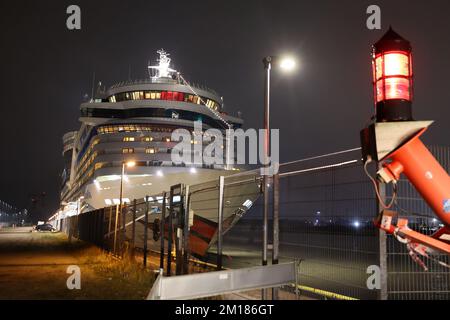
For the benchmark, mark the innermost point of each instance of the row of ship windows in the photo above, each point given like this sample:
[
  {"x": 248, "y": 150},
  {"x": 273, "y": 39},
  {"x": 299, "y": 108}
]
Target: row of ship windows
[
  {"x": 85, "y": 166},
  {"x": 145, "y": 139},
  {"x": 164, "y": 95},
  {"x": 128, "y": 128},
  {"x": 140, "y": 128},
  {"x": 88, "y": 152},
  {"x": 131, "y": 128},
  {"x": 131, "y": 150},
  {"x": 121, "y": 128},
  {"x": 127, "y": 139},
  {"x": 150, "y": 139},
  {"x": 152, "y": 149}
]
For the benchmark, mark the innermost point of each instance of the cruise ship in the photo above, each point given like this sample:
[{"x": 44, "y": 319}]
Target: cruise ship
[{"x": 134, "y": 121}]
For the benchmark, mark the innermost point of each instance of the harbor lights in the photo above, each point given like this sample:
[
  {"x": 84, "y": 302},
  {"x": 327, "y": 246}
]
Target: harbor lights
[
  {"x": 392, "y": 78},
  {"x": 286, "y": 64}
]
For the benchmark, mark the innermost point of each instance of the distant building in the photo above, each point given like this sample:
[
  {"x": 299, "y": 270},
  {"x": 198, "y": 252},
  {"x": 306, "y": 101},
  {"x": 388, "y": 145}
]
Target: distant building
[{"x": 10, "y": 215}]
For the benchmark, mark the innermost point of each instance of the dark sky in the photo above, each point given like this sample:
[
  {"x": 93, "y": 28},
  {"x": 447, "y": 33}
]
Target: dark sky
[{"x": 46, "y": 69}]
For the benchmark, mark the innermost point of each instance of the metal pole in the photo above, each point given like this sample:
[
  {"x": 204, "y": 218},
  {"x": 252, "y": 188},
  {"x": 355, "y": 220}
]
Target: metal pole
[
  {"x": 186, "y": 228},
  {"x": 267, "y": 67},
  {"x": 169, "y": 236},
  {"x": 119, "y": 209},
  {"x": 121, "y": 186},
  {"x": 163, "y": 217},
  {"x": 145, "y": 230},
  {"x": 276, "y": 226},
  {"x": 102, "y": 230},
  {"x": 220, "y": 222},
  {"x": 297, "y": 267},
  {"x": 123, "y": 233},
  {"x": 110, "y": 222},
  {"x": 133, "y": 230},
  {"x": 382, "y": 244},
  {"x": 115, "y": 228},
  {"x": 178, "y": 235}
]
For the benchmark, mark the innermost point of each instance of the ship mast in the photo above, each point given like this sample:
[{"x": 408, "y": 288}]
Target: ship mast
[{"x": 162, "y": 70}]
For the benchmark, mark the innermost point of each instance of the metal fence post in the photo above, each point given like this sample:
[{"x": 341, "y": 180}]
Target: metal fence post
[
  {"x": 382, "y": 245},
  {"x": 276, "y": 226},
  {"x": 383, "y": 266},
  {"x": 110, "y": 222},
  {"x": 178, "y": 234},
  {"x": 162, "y": 232},
  {"x": 133, "y": 231},
  {"x": 123, "y": 232},
  {"x": 145, "y": 230},
  {"x": 70, "y": 229},
  {"x": 170, "y": 236},
  {"x": 115, "y": 228},
  {"x": 297, "y": 267},
  {"x": 110, "y": 227},
  {"x": 186, "y": 228},
  {"x": 102, "y": 229},
  {"x": 265, "y": 227},
  {"x": 220, "y": 222}
]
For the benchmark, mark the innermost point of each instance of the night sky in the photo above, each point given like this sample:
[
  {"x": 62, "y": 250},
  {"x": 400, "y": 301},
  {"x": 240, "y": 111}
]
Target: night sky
[{"x": 46, "y": 70}]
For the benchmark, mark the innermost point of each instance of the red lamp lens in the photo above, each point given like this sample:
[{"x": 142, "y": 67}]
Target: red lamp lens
[
  {"x": 395, "y": 64},
  {"x": 392, "y": 76},
  {"x": 395, "y": 88}
]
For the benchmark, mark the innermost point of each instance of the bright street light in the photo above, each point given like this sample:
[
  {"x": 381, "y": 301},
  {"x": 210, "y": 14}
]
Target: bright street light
[
  {"x": 287, "y": 64},
  {"x": 131, "y": 164}
]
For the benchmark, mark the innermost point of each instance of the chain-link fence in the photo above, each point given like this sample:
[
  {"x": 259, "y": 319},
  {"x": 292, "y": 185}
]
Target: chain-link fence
[
  {"x": 407, "y": 279},
  {"x": 327, "y": 207}
]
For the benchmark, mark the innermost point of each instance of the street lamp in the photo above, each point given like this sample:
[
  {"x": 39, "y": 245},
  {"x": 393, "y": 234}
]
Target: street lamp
[
  {"x": 128, "y": 164},
  {"x": 285, "y": 64}
]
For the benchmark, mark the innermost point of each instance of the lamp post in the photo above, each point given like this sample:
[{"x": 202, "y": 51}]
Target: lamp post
[
  {"x": 129, "y": 164},
  {"x": 286, "y": 64}
]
